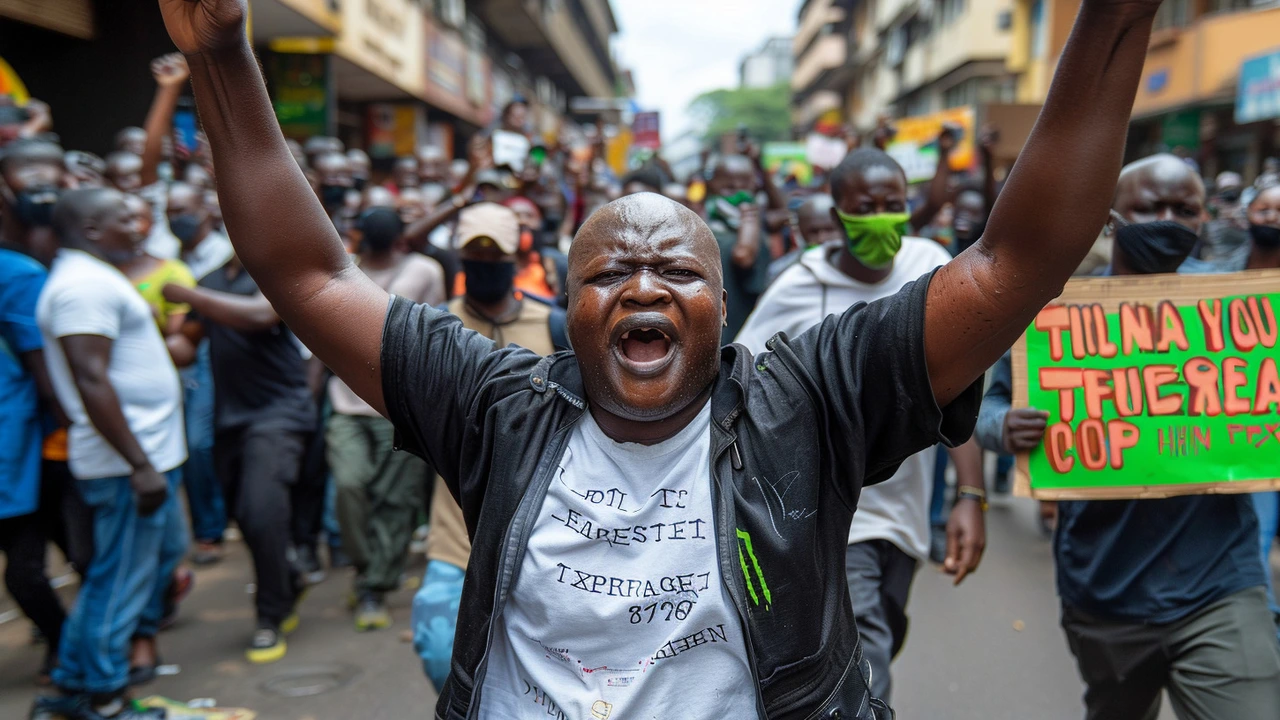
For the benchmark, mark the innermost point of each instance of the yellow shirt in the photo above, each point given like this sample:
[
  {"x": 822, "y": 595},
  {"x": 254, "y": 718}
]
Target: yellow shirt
[{"x": 151, "y": 285}]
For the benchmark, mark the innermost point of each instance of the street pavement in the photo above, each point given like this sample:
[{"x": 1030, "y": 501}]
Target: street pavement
[{"x": 990, "y": 649}]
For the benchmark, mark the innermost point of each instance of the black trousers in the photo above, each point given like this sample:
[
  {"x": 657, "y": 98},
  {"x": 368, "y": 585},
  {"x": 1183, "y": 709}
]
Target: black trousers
[
  {"x": 259, "y": 470},
  {"x": 24, "y": 542}
]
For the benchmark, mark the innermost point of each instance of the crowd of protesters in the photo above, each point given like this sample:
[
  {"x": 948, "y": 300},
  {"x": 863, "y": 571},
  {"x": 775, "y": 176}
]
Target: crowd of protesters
[{"x": 139, "y": 358}]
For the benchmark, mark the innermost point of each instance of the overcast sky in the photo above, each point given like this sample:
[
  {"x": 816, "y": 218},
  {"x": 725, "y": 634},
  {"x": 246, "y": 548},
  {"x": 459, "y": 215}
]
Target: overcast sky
[{"x": 678, "y": 49}]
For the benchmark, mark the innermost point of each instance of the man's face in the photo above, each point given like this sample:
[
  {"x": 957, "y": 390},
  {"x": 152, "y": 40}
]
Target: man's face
[
  {"x": 1162, "y": 193},
  {"x": 124, "y": 172},
  {"x": 22, "y": 174},
  {"x": 432, "y": 166},
  {"x": 732, "y": 177},
  {"x": 119, "y": 226},
  {"x": 411, "y": 205},
  {"x": 132, "y": 140},
  {"x": 516, "y": 117},
  {"x": 1265, "y": 209},
  {"x": 817, "y": 228},
  {"x": 970, "y": 214},
  {"x": 334, "y": 169},
  {"x": 406, "y": 172},
  {"x": 875, "y": 190},
  {"x": 646, "y": 305},
  {"x": 186, "y": 201},
  {"x": 527, "y": 215}
]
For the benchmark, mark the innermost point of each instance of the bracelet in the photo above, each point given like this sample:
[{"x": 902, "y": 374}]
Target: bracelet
[{"x": 973, "y": 493}]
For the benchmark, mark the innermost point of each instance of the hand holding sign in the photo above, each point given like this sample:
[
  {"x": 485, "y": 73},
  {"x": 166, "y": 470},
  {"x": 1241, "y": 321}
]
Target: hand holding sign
[{"x": 1024, "y": 429}]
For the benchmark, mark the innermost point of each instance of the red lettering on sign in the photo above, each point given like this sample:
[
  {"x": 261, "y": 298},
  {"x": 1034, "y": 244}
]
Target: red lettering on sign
[
  {"x": 1268, "y": 388},
  {"x": 1211, "y": 318},
  {"x": 1065, "y": 381},
  {"x": 1097, "y": 387},
  {"x": 1172, "y": 331},
  {"x": 1243, "y": 332},
  {"x": 1092, "y": 444},
  {"x": 1106, "y": 348},
  {"x": 1264, "y": 319},
  {"x": 1202, "y": 381},
  {"x": 1057, "y": 441},
  {"x": 1232, "y": 380},
  {"x": 1153, "y": 378},
  {"x": 1053, "y": 319},
  {"x": 1121, "y": 435}
]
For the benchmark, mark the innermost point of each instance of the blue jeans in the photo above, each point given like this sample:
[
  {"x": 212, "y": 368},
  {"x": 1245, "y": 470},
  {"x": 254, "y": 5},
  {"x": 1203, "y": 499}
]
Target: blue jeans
[
  {"x": 1267, "y": 505},
  {"x": 93, "y": 656},
  {"x": 204, "y": 493},
  {"x": 173, "y": 546},
  {"x": 938, "y": 503},
  {"x": 435, "y": 619}
]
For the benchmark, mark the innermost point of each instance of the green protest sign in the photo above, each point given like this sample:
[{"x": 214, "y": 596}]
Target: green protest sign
[{"x": 1155, "y": 386}]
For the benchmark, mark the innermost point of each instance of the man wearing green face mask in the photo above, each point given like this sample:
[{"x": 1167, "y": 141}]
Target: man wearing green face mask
[
  {"x": 734, "y": 219},
  {"x": 872, "y": 258}
]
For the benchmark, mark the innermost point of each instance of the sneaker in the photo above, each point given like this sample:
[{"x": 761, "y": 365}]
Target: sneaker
[
  {"x": 80, "y": 707},
  {"x": 372, "y": 614},
  {"x": 266, "y": 646},
  {"x": 207, "y": 552}
]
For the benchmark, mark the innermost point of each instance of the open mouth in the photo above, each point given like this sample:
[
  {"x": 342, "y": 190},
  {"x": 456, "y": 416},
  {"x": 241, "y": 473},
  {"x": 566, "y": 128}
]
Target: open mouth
[{"x": 644, "y": 350}]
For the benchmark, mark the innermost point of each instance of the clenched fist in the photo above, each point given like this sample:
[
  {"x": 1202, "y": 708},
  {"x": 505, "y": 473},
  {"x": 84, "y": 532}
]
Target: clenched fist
[{"x": 198, "y": 26}]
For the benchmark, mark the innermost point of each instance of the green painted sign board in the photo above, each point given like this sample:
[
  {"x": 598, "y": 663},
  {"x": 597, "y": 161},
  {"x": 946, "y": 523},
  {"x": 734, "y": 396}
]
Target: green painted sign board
[{"x": 1155, "y": 386}]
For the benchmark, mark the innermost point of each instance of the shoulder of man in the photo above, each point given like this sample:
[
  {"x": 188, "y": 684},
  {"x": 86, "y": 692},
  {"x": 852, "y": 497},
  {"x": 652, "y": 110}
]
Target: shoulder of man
[{"x": 557, "y": 323}]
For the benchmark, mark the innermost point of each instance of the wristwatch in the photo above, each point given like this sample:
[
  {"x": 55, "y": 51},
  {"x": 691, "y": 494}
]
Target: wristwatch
[{"x": 973, "y": 493}]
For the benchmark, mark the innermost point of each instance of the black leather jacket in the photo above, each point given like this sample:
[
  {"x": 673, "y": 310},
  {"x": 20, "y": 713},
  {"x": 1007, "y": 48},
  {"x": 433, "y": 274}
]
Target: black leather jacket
[{"x": 796, "y": 433}]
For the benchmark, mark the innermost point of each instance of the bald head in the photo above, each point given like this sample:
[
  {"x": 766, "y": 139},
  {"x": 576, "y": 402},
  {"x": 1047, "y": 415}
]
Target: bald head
[
  {"x": 640, "y": 223},
  {"x": 1161, "y": 188},
  {"x": 132, "y": 139},
  {"x": 815, "y": 220},
  {"x": 77, "y": 209}
]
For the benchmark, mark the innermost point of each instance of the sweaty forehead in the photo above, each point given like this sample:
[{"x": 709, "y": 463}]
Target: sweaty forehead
[{"x": 645, "y": 226}]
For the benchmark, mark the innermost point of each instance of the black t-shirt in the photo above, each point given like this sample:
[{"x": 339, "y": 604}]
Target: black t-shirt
[{"x": 259, "y": 378}]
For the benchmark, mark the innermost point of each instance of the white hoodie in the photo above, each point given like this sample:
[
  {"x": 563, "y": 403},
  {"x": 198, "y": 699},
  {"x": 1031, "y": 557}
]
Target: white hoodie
[{"x": 897, "y": 509}]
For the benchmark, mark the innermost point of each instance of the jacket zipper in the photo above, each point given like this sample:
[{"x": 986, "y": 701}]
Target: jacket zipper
[
  {"x": 529, "y": 505},
  {"x": 726, "y": 572}
]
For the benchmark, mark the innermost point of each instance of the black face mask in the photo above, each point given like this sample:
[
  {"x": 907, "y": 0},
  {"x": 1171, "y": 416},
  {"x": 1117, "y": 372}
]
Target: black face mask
[
  {"x": 1265, "y": 236},
  {"x": 489, "y": 282},
  {"x": 1155, "y": 247},
  {"x": 34, "y": 207},
  {"x": 185, "y": 227},
  {"x": 1230, "y": 196},
  {"x": 359, "y": 183},
  {"x": 552, "y": 222},
  {"x": 333, "y": 195}
]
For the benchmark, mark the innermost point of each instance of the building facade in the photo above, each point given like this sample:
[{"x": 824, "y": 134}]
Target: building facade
[
  {"x": 1191, "y": 83},
  {"x": 858, "y": 60},
  {"x": 768, "y": 66},
  {"x": 383, "y": 75}
]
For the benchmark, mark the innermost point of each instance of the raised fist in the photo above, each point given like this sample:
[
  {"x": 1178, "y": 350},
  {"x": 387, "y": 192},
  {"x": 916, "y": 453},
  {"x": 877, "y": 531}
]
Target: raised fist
[
  {"x": 170, "y": 70},
  {"x": 198, "y": 26}
]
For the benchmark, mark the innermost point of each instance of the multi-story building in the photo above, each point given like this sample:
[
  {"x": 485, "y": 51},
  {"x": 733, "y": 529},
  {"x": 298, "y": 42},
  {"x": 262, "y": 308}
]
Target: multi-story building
[
  {"x": 768, "y": 66},
  {"x": 1191, "y": 82},
  {"x": 860, "y": 59},
  {"x": 386, "y": 75}
]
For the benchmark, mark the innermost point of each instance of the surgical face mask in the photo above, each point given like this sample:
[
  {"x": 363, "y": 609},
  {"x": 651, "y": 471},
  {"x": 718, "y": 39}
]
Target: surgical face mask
[
  {"x": 1154, "y": 247},
  {"x": 185, "y": 227},
  {"x": 874, "y": 239},
  {"x": 34, "y": 207},
  {"x": 489, "y": 282},
  {"x": 1265, "y": 236},
  {"x": 333, "y": 195}
]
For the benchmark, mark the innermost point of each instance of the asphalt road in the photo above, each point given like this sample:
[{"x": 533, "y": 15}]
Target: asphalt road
[{"x": 990, "y": 649}]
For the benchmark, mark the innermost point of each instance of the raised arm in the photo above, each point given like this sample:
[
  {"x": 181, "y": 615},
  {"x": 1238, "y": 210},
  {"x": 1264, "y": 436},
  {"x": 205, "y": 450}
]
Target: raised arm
[
  {"x": 280, "y": 231},
  {"x": 171, "y": 73},
  {"x": 938, "y": 192},
  {"x": 248, "y": 314},
  {"x": 1053, "y": 205}
]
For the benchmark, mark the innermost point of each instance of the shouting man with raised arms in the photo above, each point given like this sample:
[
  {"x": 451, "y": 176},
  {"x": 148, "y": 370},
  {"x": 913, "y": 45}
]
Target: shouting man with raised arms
[{"x": 652, "y": 513}]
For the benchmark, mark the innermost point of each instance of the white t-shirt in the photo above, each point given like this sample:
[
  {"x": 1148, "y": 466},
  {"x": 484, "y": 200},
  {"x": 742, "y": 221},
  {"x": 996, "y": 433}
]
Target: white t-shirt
[
  {"x": 214, "y": 251},
  {"x": 85, "y": 296},
  {"x": 897, "y": 509},
  {"x": 160, "y": 242},
  {"x": 619, "y": 608}
]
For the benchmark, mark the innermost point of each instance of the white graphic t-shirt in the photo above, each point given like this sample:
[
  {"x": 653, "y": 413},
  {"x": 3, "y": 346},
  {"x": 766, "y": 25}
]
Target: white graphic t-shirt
[{"x": 619, "y": 610}]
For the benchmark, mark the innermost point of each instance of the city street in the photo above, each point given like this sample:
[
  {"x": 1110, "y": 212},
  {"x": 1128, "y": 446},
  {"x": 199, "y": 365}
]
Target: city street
[{"x": 989, "y": 650}]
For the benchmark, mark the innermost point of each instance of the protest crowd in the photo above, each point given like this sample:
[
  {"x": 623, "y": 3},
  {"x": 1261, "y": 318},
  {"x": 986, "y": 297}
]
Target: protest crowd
[{"x": 535, "y": 361}]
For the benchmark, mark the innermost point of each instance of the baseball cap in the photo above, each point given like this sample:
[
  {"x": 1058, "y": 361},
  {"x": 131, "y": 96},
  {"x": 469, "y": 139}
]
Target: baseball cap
[{"x": 489, "y": 222}]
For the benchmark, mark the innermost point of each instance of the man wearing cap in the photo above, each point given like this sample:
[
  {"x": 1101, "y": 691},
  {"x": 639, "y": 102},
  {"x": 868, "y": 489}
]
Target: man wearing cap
[
  {"x": 488, "y": 240},
  {"x": 378, "y": 492}
]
